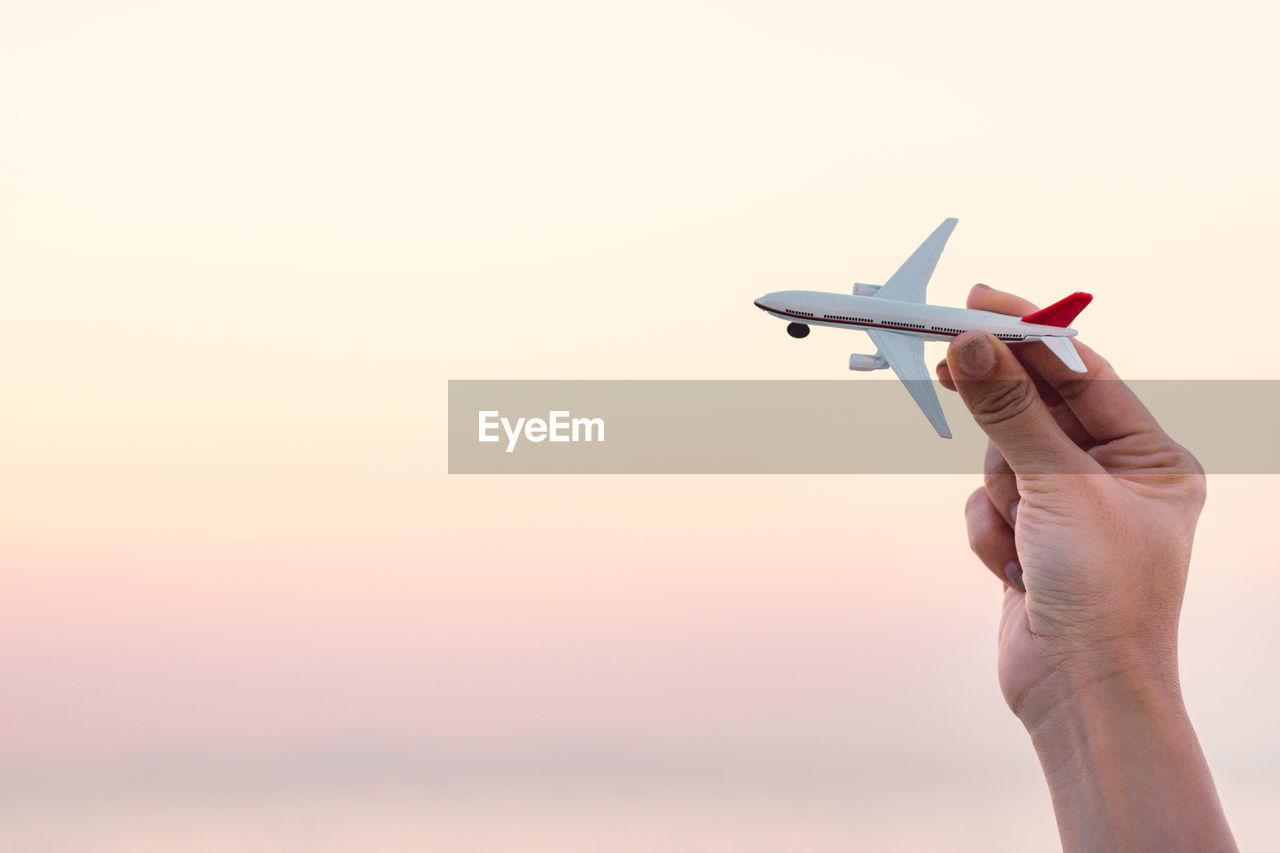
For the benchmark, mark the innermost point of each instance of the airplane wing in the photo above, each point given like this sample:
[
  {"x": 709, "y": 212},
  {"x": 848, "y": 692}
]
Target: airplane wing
[
  {"x": 905, "y": 355},
  {"x": 909, "y": 282}
]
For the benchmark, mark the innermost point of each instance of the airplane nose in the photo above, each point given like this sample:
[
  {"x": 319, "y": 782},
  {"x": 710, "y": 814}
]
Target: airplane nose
[{"x": 762, "y": 303}]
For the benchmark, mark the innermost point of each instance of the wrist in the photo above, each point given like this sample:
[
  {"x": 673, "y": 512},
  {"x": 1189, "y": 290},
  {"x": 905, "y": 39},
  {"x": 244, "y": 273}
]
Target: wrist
[
  {"x": 1122, "y": 760},
  {"x": 1086, "y": 722},
  {"x": 1091, "y": 690}
]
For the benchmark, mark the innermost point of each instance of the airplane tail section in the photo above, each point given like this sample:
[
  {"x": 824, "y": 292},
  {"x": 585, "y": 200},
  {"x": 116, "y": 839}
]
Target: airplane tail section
[
  {"x": 1060, "y": 313},
  {"x": 1062, "y": 347}
]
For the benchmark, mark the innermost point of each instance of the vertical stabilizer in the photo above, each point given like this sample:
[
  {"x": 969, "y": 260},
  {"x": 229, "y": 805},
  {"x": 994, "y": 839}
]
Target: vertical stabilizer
[{"x": 1062, "y": 312}]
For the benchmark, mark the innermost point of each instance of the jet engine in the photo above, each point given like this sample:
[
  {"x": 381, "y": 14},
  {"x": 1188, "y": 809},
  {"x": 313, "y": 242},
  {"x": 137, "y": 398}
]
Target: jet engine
[
  {"x": 867, "y": 362},
  {"x": 797, "y": 330}
]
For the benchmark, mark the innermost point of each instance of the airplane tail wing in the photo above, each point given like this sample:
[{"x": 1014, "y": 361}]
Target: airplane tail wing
[
  {"x": 1060, "y": 313},
  {"x": 1062, "y": 347}
]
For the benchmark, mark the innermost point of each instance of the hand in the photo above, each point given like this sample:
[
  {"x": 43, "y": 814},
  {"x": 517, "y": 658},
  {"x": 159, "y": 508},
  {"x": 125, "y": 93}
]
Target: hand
[{"x": 1087, "y": 513}]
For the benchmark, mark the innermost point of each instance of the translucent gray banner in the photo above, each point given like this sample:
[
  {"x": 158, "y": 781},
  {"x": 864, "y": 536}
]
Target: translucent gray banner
[{"x": 867, "y": 426}]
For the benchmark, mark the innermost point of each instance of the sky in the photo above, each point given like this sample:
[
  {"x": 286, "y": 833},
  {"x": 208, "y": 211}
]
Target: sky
[{"x": 244, "y": 248}]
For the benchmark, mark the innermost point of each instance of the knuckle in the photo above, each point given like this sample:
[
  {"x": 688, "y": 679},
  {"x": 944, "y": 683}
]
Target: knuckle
[
  {"x": 1005, "y": 401},
  {"x": 1194, "y": 464},
  {"x": 1072, "y": 390},
  {"x": 997, "y": 480},
  {"x": 1176, "y": 459},
  {"x": 977, "y": 536},
  {"x": 974, "y": 502},
  {"x": 980, "y": 523},
  {"x": 1194, "y": 476},
  {"x": 983, "y": 539}
]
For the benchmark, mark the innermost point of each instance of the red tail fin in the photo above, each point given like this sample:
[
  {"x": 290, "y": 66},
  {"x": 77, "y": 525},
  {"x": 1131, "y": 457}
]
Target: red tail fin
[{"x": 1060, "y": 313}]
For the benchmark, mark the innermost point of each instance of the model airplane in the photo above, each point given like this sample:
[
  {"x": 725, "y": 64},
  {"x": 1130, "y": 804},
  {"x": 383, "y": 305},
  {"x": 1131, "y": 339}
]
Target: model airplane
[{"x": 899, "y": 322}]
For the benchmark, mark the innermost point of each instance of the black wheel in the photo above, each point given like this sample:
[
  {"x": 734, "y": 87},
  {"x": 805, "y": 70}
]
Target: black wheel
[{"x": 797, "y": 330}]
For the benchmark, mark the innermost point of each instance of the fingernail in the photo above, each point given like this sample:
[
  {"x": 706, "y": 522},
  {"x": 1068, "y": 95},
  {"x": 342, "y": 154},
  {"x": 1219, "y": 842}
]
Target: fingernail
[
  {"x": 976, "y": 357},
  {"x": 1013, "y": 511},
  {"x": 1013, "y": 572}
]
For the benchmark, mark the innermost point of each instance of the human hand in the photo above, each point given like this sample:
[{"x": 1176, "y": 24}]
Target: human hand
[{"x": 1087, "y": 512}]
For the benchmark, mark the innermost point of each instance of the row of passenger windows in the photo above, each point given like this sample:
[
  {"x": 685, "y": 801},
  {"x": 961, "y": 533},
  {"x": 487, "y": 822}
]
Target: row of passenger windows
[
  {"x": 906, "y": 325},
  {"x": 946, "y": 329}
]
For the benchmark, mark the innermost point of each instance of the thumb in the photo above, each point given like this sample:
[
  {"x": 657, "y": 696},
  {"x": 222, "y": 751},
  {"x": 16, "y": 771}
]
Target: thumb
[{"x": 1004, "y": 401}]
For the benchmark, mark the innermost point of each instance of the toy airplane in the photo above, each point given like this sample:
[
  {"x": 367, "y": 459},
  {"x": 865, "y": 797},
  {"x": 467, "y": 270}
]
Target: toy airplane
[{"x": 899, "y": 322}]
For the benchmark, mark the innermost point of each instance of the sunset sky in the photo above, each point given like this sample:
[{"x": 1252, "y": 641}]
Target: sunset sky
[{"x": 243, "y": 250}]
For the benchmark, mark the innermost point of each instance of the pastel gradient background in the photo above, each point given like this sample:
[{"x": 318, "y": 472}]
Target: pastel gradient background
[{"x": 243, "y": 247}]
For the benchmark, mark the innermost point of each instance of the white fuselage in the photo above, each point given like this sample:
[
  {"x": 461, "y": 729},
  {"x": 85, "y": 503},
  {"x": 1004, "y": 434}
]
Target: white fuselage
[{"x": 931, "y": 322}]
